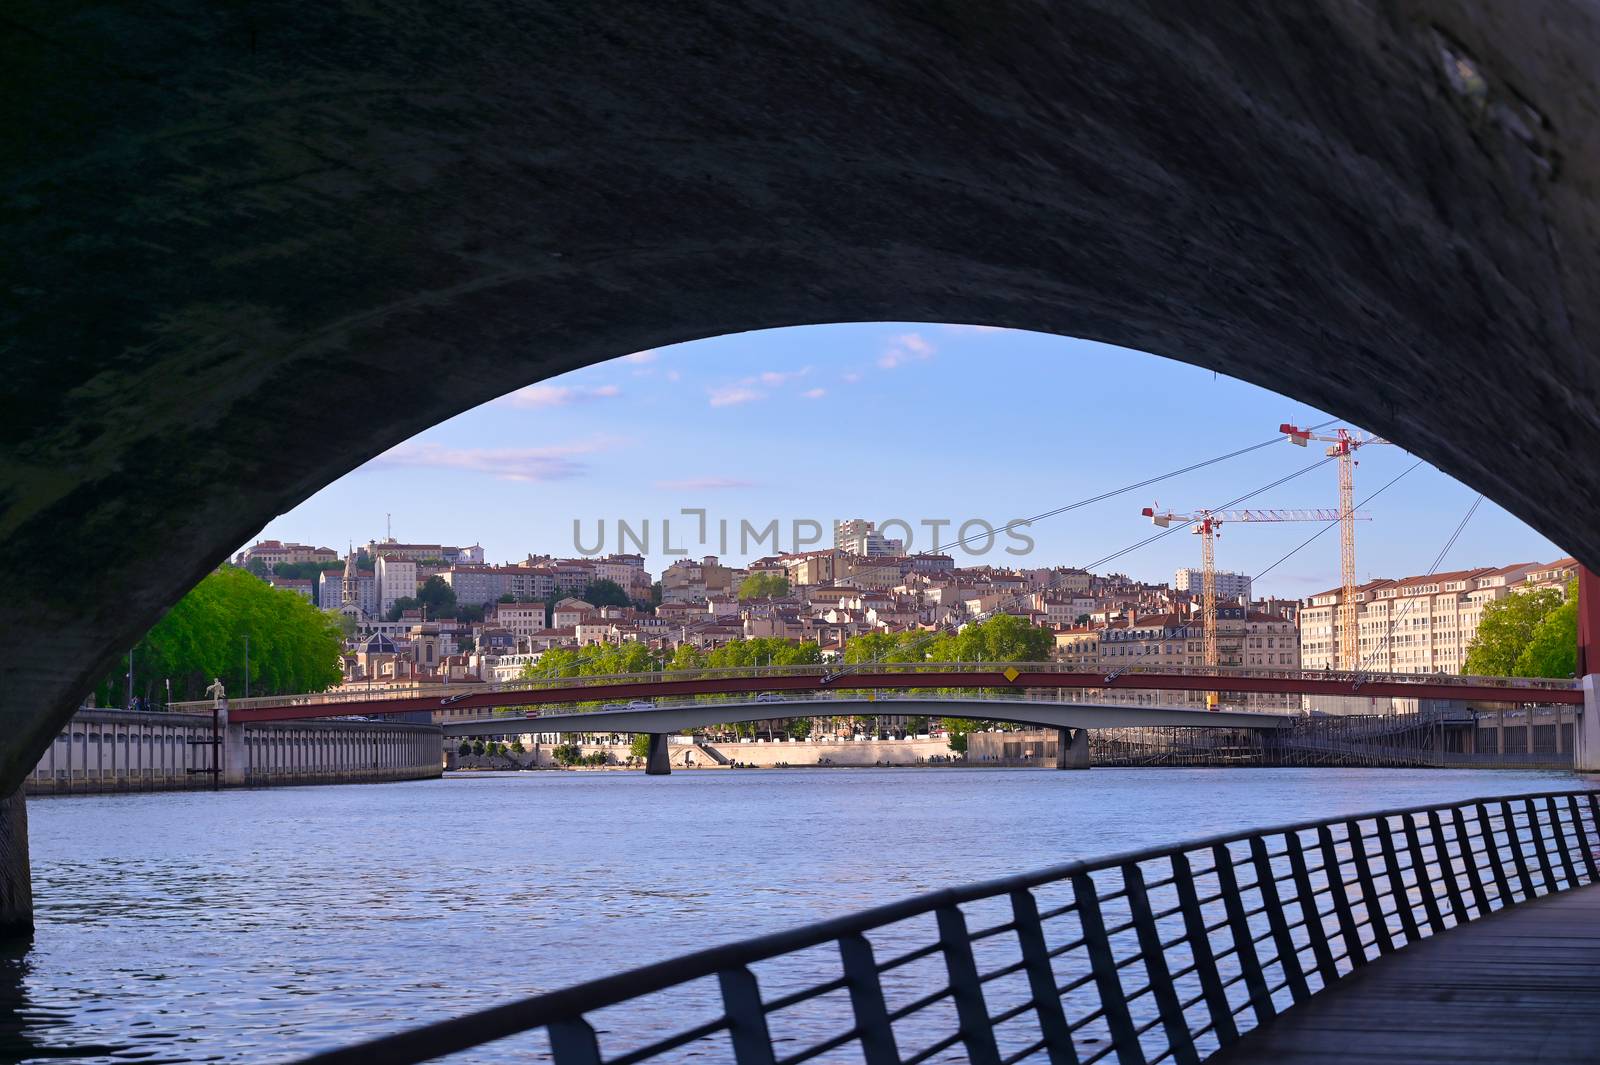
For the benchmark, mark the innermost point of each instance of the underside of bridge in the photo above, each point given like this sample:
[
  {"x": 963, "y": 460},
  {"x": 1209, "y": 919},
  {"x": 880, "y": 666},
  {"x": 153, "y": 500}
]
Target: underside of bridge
[{"x": 244, "y": 240}]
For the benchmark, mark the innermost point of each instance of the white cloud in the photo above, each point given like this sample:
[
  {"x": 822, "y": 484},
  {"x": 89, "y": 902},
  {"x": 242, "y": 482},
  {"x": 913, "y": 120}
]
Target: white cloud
[
  {"x": 905, "y": 348},
  {"x": 774, "y": 378},
  {"x": 552, "y": 463},
  {"x": 852, "y": 377},
  {"x": 701, "y": 484},
  {"x": 544, "y": 395},
  {"x": 674, "y": 375},
  {"x": 647, "y": 355},
  {"x": 733, "y": 395},
  {"x": 814, "y": 393}
]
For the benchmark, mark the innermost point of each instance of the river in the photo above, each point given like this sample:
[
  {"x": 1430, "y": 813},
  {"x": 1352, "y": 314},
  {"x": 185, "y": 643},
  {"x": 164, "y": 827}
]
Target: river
[{"x": 244, "y": 926}]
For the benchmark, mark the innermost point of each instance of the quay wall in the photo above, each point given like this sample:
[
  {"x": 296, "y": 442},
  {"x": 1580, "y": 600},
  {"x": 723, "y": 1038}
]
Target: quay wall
[{"x": 120, "y": 750}]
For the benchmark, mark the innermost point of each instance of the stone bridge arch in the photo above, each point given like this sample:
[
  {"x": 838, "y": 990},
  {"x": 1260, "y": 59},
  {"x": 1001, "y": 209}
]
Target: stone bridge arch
[{"x": 250, "y": 248}]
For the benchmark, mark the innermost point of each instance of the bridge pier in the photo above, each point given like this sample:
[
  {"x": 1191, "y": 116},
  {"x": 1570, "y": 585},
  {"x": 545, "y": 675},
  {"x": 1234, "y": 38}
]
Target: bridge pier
[
  {"x": 16, "y": 878},
  {"x": 1586, "y": 732},
  {"x": 1072, "y": 748},
  {"x": 658, "y": 763},
  {"x": 233, "y": 752}
]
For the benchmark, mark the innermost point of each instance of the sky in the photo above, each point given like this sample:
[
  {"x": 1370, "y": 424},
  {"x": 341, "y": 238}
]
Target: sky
[{"x": 923, "y": 423}]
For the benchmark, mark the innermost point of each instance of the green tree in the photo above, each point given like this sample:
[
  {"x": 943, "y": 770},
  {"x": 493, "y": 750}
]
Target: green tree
[
  {"x": 639, "y": 747},
  {"x": 606, "y": 593},
  {"x": 956, "y": 730},
  {"x": 763, "y": 585},
  {"x": 566, "y": 753},
  {"x": 508, "y": 598},
  {"x": 294, "y": 647},
  {"x": 398, "y": 608},
  {"x": 1552, "y": 650},
  {"x": 687, "y": 656},
  {"x": 478, "y": 747},
  {"x": 799, "y": 728},
  {"x": 517, "y": 747},
  {"x": 1507, "y": 629},
  {"x": 465, "y": 748},
  {"x": 436, "y": 597}
]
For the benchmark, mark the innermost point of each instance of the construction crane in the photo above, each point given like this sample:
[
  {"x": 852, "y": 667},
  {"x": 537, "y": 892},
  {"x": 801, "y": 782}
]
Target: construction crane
[
  {"x": 1207, "y": 525},
  {"x": 1343, "y": 445}
]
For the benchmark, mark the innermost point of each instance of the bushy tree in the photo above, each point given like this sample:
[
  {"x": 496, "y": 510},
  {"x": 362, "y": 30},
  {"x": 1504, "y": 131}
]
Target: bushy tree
[
  {"x": 478, "y": 747},
  {"x": 592, "y": 660},
  {"x": 1523, "y": 634},
  {"x": 639, "y": 747},
  {"x": 764, "y": 651},
  {"x": 436, "y": 597},
  {"x": 465, "y": 748},
  {"x": 799, "y": 728},
  {"x": 763, "y": 585},
  {"x": 294, "y": 647},
  {"x": 956, "y": 730},
  {"x": 687, "y": 656},
  {"x": 606, "y": 593}
]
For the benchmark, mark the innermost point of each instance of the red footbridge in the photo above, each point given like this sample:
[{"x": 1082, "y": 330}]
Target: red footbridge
[{"x": 891, "y": 676}]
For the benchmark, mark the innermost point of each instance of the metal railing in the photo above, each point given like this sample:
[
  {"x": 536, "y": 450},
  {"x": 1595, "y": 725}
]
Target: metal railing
[
  {"x": 359, "y": 695},
  {"x": 1163, "y": 954}
]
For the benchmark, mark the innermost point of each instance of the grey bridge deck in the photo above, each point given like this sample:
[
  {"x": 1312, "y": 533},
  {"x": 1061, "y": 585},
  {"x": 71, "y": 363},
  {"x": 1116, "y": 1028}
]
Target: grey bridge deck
[{"x": 1522, "y": 986}]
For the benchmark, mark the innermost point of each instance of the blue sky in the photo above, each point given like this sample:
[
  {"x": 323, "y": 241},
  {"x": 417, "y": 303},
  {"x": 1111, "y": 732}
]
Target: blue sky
[{"x": 919, "y": 422}]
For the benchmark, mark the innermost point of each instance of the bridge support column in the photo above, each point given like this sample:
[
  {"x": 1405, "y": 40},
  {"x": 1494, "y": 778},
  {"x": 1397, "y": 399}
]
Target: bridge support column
[
  {"x": 232, "y": 752},
  {"x": 1586, "y": 732},
  {"x": 1072, "y": 749},
  {"x": 16, "y": 878},
  {"x": 658, "y": 763}
]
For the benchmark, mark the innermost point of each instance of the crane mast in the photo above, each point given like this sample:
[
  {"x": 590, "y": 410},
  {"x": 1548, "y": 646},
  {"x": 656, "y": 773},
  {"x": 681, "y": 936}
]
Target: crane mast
[
  {"x": 1342, "y": 444},
  {"x": 1207, "y": 525}
]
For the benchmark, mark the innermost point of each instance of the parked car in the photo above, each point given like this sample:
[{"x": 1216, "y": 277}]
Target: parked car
[{"x": 641, "y": 704}]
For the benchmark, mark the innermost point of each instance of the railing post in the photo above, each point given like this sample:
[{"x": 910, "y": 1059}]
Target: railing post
[
  {"x": 1561, "y": 842},
  {"x": 1104, "y": 966},
  {"x": 1205, "y": 960},
  {"x": 1243, "y": 942},
  {"x": 1447, "y": 866},
  {"x": 1179, "y": 1037},
  {"x": 1514, "y": 839},
  {"x": 1334, "y": 869},
  {"x": 747, "y": 1018},
  {"x": 1419, "y": 871},
  {"x": 1288, "y": 956},
  {"x": 1397, "y": 880},
  {"x": 1041, "y": 980},
  {"x": 866, "y": 1001},
  {"x": 977, "y": 1031},
  {"x": 573, "y": 1042},
  {"x": 1491, "y": 848},
  {"x": 1310, "y": 909},
  {"x": 1369, "y": 889},
  {"x": 1541, "y": 846},
  {"x": 1580, "y": 837}
]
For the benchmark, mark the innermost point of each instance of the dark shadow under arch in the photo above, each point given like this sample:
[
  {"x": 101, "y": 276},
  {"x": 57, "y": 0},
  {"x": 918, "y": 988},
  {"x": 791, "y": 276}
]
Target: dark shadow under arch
[{"x": 252, "y": 240}]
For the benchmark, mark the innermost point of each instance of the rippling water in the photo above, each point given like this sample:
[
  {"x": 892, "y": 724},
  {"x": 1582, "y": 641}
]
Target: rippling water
[{"x": 259, "y": 925}]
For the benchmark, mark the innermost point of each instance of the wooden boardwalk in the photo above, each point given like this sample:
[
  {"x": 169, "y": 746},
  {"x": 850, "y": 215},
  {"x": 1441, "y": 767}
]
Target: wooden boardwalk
[{"x": 1519, "y": 986}]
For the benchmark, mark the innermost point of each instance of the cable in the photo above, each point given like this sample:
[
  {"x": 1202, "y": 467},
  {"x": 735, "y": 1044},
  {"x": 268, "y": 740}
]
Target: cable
[
  {"x": 999, "y": 607},
  {"x": 1438, "y": 560},
  {"x": 1112, "y": 493},
  {"x": 1313, "y": 537}
]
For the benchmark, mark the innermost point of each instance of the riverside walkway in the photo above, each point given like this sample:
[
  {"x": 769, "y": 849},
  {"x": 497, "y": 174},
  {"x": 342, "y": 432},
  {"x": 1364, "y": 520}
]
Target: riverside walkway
[{"x": 1521, "y": 985}]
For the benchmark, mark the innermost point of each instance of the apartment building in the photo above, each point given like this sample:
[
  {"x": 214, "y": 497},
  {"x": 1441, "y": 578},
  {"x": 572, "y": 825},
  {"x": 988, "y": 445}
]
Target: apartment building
[
  {"x": 271, "y": 552},
  {"x": 1229, "y": 585},
  {"x": 1421, "y": 624}
]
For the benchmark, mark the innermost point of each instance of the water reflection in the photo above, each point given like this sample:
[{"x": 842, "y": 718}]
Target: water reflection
[{"x": 236, "y": 925}]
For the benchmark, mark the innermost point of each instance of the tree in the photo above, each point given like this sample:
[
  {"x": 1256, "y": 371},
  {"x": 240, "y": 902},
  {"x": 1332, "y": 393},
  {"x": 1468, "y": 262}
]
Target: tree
[
  {"x": 606, "y": 593},
  {"x": 763, "y": 585},
  {"x": 956, "y": 730},
  {"x": 1507, "y": 630},
  {"x": 478, "y": 747},
  {"x": 1552, "y": 651},
  {"x": 799, "y": 728},
  {"x": 566, "y": 753},
  {"x": 398, "y": 608},
  {"x": 294, "y": 647},
  {"x": 687, "y": 656},
  {"x": 465, "y": 748},
  {"x": 436, "y": 597},
  {"x": 507, "y": 598},
  {"x": 517, "y": 747},
  {"x": 639, "y": 747}
]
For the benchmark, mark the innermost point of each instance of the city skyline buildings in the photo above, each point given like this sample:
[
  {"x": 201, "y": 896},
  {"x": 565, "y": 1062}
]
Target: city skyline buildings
[{"x": 927, "y": 424}]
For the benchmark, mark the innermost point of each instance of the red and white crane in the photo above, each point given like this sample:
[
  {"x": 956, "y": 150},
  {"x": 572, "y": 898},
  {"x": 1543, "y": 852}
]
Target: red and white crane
[
  {"x": 1342, "y": 444},
  {"x": 1207, "y": 525}
]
